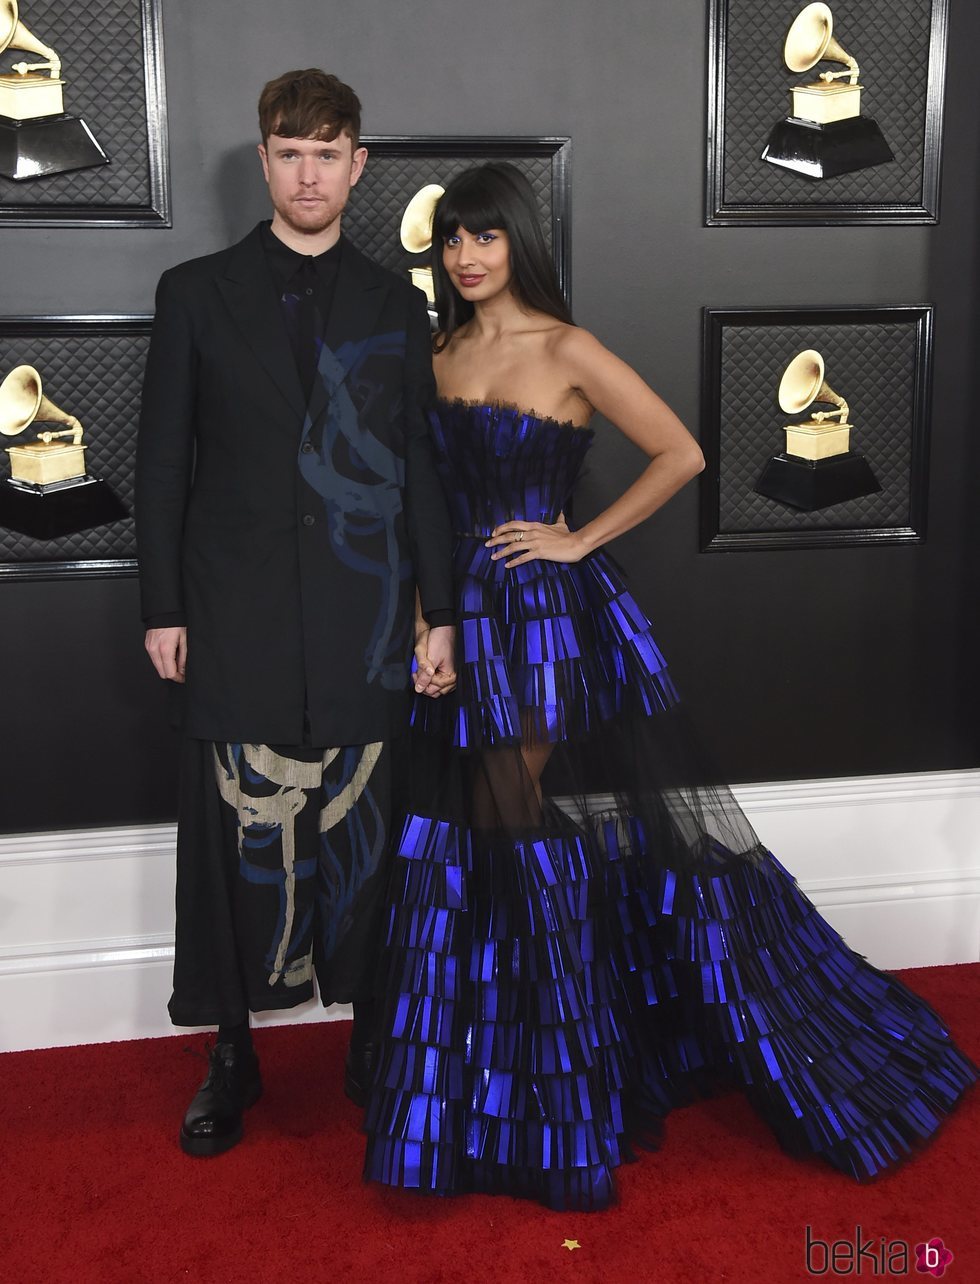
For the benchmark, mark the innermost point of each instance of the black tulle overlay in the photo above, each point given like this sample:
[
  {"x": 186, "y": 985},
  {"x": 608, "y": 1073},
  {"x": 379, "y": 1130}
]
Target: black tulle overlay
[{"x": 564, "y": 964}]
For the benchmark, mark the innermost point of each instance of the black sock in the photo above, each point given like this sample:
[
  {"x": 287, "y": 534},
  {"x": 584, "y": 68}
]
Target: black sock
[
  {"x": 240, "y": 1036},
  {"x": 364, "y": 1018}
]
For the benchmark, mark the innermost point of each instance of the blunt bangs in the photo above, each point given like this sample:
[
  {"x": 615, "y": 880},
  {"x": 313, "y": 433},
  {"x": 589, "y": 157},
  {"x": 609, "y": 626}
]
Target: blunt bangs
[{"x": 469, "y": 202}]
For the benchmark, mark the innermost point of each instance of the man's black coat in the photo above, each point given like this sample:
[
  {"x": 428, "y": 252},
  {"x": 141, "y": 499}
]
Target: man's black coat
[{"x": 289, "y": 537}]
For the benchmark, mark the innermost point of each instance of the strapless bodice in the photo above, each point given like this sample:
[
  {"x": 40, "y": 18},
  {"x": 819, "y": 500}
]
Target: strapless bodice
[{"x": 499, "y": 463}]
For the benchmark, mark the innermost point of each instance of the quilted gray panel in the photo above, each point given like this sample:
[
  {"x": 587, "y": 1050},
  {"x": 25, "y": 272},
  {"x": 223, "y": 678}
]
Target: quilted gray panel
[
  {"x": 374, "y": 214},
  {"x": 98, "y": 377},
  {"x": 873, "y": 366},
  {"x": 100, "y": 44},
  {"x": 891, "y": 45}
]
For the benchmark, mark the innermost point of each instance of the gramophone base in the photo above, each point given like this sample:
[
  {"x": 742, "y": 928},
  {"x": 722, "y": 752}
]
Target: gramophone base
[
  {"x": 49, "y": 145},
  {"x": 812, "y": 484},
  {"x": 824, "y": 151},
  {"x": 61, "y": 508}
]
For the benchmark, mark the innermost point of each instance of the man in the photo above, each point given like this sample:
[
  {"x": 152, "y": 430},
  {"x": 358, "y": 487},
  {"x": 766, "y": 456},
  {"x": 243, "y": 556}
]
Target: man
[{"x": 289, "y": 522}]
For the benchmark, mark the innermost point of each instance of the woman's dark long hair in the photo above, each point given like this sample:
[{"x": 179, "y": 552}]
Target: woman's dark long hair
[{"x": 496, "y": 195}]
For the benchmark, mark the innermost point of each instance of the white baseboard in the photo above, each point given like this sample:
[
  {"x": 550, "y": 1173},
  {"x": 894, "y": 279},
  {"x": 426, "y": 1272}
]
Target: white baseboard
[{"x": 86, "y": 917}]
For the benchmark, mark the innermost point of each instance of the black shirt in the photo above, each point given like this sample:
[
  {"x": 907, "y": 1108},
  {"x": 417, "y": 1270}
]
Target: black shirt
[
  {"x": 284, "y": 263},
  {"x": 305, "y": 284}
]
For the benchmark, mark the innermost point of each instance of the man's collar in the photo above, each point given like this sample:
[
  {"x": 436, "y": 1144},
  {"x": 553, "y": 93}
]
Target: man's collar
[{"x": 287, "y": 256}]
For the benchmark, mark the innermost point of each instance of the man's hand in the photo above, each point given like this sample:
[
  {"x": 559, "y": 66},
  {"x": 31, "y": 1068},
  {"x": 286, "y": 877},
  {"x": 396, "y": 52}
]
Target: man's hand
[
  {"x": 435, "y": 655},
  {"x": 167, "y": 648}
]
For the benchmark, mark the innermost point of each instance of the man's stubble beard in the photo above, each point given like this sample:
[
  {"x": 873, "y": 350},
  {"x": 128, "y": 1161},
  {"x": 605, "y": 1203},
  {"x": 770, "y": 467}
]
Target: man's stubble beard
[{"x": 314, "y": 224}]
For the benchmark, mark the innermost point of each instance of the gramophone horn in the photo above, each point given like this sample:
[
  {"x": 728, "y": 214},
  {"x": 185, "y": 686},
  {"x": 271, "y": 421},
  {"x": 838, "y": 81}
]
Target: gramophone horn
[
  {"x": 14, "y": 34},
  {"x": 811, "y": 38},
  {"x": 803, "y": 383},
  {"x": 416, "y": 228},
  {"x": 22, "y": 402}
]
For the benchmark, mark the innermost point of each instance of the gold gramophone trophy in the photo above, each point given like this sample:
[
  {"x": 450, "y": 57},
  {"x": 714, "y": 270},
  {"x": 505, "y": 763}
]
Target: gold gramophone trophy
[
  {"x": 825, "y": 133},
  {"x": 37, "y": 137},
  {"x": 416, "y": 235},
  {"x": 48, "y": 492},
  {"x": 818, "y": 467}
]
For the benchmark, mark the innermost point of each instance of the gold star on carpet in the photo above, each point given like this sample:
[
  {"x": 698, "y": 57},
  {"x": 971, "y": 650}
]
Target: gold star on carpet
[{"x": 571, "y": 1244}]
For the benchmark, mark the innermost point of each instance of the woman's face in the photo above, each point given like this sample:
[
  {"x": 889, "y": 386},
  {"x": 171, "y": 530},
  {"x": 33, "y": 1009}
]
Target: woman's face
[{"x": 478, "y": 263}]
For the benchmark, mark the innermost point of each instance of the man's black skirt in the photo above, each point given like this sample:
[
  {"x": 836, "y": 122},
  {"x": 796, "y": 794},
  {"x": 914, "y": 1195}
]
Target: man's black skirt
[{"x": 281, "y": 864}]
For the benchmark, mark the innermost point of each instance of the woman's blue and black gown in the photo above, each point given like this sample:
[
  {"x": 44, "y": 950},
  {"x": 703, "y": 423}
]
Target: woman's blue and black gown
[{"x": 560, "y": 972}]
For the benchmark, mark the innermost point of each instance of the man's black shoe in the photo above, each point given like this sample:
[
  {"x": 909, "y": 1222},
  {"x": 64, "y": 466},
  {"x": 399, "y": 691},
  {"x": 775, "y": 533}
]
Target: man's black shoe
[
  {"x": 213, "y": 1123},
  {"x": 357, "y": 1072}
]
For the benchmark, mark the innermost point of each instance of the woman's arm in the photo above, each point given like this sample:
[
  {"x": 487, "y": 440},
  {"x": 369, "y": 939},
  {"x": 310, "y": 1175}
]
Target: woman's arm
[{"x": 614, "y": 389}]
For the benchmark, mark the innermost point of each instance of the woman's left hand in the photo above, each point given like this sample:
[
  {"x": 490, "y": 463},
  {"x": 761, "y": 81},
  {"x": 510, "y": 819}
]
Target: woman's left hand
[{"x": 526, "y": 541}]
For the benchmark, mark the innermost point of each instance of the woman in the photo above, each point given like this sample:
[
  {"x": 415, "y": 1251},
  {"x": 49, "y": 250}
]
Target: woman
[{"x": 583, "y": 930}]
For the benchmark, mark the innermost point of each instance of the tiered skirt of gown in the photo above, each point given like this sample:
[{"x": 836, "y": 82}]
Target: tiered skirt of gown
[{"x": 561, "y": 971}]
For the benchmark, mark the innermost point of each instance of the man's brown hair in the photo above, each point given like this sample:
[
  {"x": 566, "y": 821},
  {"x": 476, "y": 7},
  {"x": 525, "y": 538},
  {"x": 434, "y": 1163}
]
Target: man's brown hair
[{"x": 309, "y": 104}]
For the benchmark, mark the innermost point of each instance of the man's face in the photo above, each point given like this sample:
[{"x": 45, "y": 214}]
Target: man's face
[{"x": 310, "y": 179}]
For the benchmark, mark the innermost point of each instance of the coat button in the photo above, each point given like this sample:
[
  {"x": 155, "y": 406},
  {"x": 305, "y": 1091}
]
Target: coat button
[
  {"x": 307, "y": 448},
  {"x": 308, "y": 519}
]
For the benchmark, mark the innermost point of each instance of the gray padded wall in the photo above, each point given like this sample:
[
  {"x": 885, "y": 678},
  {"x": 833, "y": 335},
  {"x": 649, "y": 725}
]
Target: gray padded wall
[
  {"x": 797, "y": 664},
  {"x": 106, "y": 90},
  {"x": 877, "y": 359},
  {"x": 895, "y": 64}
]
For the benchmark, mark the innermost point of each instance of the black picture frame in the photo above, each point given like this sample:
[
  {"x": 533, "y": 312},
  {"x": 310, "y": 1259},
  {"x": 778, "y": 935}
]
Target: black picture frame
[
  {"x": 399, "y": 164},
  {"x": 744, "y": 102},
  {"x": 134, "y": 189},
  {"x": 881, "y": 360},
  {"x": 92, "y": 367}
]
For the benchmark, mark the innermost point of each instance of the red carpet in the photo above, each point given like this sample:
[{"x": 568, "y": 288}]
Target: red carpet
[{"x": 94, "y": 1188}]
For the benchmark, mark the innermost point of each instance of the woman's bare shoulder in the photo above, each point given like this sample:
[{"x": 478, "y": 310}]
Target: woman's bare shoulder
[
  {"x": 574, "y": 339},
  {"x": 577, "y": 350}
]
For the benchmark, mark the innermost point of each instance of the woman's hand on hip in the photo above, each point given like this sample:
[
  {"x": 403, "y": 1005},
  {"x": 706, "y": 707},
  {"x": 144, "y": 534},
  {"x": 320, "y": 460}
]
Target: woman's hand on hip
[{"x": 520, "y": 541}]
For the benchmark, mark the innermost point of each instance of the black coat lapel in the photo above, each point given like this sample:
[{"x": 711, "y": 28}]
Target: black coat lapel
[{"x": 250, "y": 296}]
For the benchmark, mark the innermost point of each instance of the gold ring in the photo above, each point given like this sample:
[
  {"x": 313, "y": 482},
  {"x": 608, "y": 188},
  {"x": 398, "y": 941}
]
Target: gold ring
[{"x": 520, "y": 536}]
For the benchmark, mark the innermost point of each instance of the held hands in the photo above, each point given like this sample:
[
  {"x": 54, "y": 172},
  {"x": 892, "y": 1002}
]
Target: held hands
[
  {"x": 435, "y": 656},
  {"x": 167, "y": 648},
  {"x": 524, "y": 541}
]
